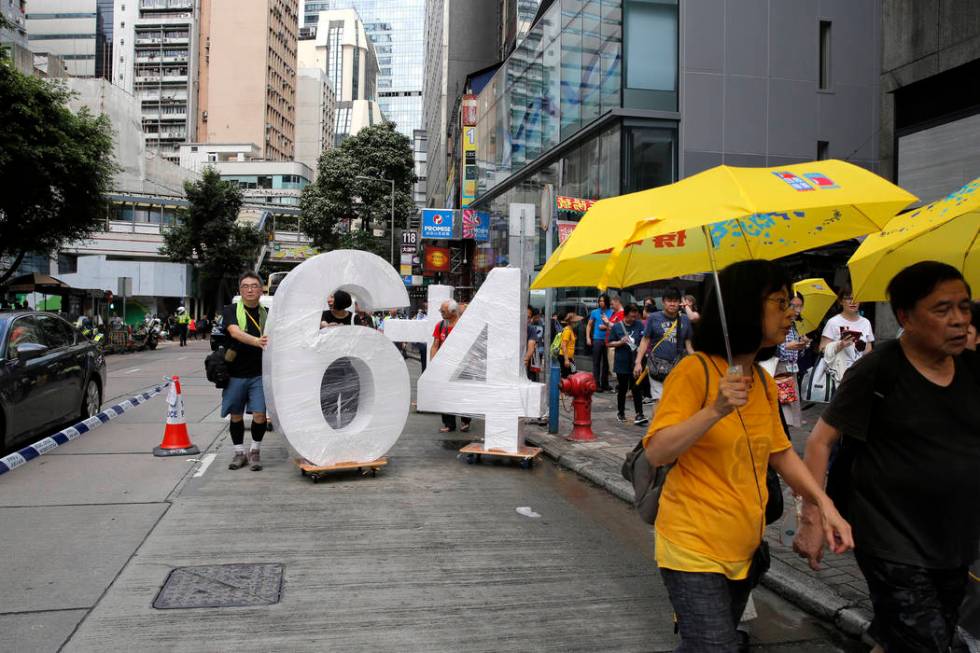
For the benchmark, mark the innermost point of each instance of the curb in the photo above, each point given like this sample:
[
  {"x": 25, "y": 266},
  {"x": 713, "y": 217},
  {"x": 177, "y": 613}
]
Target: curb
[
  {"x": 41, "y": 447},
  {"x": 803, "y": 591}
]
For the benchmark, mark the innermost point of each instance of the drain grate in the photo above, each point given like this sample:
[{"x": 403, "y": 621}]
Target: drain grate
[{"x": 221, "y": 586}]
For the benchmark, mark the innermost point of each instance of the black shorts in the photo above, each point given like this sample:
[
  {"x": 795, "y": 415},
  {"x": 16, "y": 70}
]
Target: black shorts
[{"x": 916, "y": 609}]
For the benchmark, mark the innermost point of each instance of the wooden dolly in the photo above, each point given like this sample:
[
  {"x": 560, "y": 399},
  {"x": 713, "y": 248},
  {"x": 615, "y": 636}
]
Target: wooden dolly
[
  {"x": 526, "y": 455},
  {"x": 316, "y": 472}
]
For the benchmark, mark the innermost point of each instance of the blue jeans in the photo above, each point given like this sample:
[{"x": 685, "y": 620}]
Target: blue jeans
[
  {"x": 708, "y": 608},
  {"x": 243, "y": 392}
]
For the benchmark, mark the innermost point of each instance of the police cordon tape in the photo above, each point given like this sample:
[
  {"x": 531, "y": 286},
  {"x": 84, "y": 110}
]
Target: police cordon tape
[{"x": 41, "y": 447}]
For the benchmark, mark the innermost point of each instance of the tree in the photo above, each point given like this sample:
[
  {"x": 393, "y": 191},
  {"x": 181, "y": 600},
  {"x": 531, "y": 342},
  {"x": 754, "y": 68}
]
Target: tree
[
  {"x": 338, "y": 196},
  {"x": 56, "y": 168},
  {"x": 209, "y": 238}
]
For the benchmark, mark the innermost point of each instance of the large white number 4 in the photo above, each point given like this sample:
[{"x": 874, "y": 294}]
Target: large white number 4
[{"x": 479, "y": 370}]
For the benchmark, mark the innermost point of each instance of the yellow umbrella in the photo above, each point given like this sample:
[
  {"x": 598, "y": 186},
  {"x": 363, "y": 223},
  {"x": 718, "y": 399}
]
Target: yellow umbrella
[
  {"x": 817, "y": 300},
  {"x": 745, "y": 212},
  {"x": 945, "y": 230}
]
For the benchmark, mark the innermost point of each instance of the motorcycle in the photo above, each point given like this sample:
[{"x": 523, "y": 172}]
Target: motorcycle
[{"x": 147, "y": 336}]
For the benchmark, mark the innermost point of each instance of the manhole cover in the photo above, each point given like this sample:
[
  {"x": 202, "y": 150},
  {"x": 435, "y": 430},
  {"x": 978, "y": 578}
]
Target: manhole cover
[{"x": 221, "y": 586}]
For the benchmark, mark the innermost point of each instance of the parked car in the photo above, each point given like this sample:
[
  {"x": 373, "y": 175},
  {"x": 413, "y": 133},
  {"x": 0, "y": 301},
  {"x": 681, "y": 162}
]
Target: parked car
[{"x": 50, "y": 375}]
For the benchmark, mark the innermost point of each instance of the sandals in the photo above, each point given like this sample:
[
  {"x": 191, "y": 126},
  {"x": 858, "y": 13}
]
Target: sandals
[
  {"x": 464, "y": 428},
  {"x": 445, "y": 429}
]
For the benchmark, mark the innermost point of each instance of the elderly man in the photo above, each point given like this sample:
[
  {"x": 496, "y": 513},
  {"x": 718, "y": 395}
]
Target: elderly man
[
  {"x": 450, "y": 315},
  {"x": 906, "y": 472}
]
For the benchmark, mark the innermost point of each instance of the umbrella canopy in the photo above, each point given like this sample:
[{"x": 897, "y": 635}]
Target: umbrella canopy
[
  {"x": 743, "y": 213},
  {"x": 945, "y": 230},
  {"x": 37, "y": 282},
  {"x": 817, "y": 300}
]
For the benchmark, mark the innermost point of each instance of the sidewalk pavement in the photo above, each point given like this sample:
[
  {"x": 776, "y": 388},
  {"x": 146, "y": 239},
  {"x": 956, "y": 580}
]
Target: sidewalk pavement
[{"x": 838, "y": 592}]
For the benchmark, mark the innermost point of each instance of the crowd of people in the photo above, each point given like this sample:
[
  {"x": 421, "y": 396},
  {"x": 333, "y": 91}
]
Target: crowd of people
[{"x": 889, "y": 470}]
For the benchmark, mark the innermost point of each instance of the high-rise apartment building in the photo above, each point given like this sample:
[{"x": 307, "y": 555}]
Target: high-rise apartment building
[
  {"x": 155, "y": 45},
  {"x": 316, "y": 114},
  {"x": 461, "y": 37},
  {"x": 397, "y": 31},
  {"x": 14, "y": 13},
  {"x": 247, "y": 86},
  {"x": 77, "y": 31},
  {"x": 340, "y": 47}
]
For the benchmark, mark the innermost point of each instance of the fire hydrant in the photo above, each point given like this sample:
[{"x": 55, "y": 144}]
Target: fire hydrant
[{"x": 581, "y": 386}]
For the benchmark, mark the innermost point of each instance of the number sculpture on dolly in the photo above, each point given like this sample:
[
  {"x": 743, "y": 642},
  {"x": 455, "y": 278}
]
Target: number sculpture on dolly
[{"x": 367, "y": 386}]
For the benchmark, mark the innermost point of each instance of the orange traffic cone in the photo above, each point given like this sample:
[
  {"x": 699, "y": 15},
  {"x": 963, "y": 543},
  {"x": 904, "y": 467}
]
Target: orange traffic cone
[{"x": 176, "y": 442}]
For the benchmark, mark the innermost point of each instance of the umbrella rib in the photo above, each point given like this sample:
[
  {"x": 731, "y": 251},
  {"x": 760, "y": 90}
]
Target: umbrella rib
[{"x": 966, "y": 253}]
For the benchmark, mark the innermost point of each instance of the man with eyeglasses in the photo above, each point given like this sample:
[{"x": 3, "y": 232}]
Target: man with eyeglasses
[{"x": 245, "y": 326}]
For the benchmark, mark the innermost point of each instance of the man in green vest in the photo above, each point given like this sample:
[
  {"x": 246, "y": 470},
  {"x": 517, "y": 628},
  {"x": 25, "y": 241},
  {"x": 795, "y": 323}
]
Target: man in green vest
[
  {"x": 183, "y": 319},
  {"x": 245, "y": 325}
]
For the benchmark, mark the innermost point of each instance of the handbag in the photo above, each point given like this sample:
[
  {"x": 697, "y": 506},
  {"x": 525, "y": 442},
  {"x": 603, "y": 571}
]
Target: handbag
[
  {"x": 786, "y": 387},
  {"x": 661, "y": 367},
  {"x": 818, "y": 384}
]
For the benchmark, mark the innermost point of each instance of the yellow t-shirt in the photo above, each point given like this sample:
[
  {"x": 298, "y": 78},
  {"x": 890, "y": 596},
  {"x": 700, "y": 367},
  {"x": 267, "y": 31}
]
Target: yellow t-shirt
[
  {"x": 567, "y": 343},
  {"x": 710, "y": 508}
]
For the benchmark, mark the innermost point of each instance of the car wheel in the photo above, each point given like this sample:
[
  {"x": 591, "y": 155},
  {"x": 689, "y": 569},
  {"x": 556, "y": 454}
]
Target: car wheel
[{"x": 92, "y": 400}]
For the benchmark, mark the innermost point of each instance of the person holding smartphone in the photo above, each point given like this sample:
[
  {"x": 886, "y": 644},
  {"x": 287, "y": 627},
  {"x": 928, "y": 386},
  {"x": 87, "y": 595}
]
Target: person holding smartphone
[{"x": 848, "y": 336}]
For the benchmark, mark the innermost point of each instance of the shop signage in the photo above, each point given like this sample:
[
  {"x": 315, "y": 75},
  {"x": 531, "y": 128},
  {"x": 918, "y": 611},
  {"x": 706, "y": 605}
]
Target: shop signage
[
  {"x": 476, "y": 225},
  {"x": 437, "y": 259},
  {"x": 437, "y": 224}
]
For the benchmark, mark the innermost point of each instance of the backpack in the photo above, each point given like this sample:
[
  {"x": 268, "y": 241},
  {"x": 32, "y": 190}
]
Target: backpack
[
  {"x": 648, "y": 482},
  {"x": 216, "y": 369},
  {"x": 849, "y": 448},
  {"x": 555, "y": 348}
]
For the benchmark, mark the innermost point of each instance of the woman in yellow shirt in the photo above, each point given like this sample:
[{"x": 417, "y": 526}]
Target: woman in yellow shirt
[
  {"x": 722, "y": 430},
  {"x": 566, "y": 347}
]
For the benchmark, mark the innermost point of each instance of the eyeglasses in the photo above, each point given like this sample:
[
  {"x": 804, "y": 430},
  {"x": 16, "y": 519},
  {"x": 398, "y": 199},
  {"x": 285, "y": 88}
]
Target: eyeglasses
[
  {"x": 781, "y": 302},
  {"x": 250, "y": 286}
]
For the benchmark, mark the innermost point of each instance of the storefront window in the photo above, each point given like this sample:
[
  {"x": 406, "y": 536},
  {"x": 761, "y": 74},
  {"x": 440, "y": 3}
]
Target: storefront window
[{"x": 651, "y": 156}]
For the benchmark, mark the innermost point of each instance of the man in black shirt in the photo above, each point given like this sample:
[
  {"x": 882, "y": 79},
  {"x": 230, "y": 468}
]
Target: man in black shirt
[
  {"x": 245, "y": 327},
  {"x": 909, "y": 465}
]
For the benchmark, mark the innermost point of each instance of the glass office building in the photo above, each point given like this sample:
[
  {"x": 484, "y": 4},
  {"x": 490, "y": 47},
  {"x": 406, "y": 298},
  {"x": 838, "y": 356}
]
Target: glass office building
[
  {"x": 585, "y": 106},
  {"x": 397, "y": 31}
]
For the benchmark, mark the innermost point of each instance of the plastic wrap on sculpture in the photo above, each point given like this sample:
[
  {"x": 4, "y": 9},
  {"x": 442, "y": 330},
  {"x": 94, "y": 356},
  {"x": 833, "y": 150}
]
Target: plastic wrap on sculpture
[
  {"x": 340, "y": 393},
  {"x": 398, "y": 330},
  {"x": 479, "y": 370}
]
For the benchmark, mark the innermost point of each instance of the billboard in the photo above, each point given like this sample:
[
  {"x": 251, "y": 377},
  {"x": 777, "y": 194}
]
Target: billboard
[
  {"x": 437, "y": 224},
  {"x": 468, "y": 166},
  {"x": 476, "y": 225},
  {"x": 436, "y": 259}
]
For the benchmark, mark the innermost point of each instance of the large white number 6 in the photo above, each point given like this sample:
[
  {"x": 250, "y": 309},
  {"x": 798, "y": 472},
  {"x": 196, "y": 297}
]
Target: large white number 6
[
  {"x": 479, "y": 370},
  {"x": 299, "y": 354}
]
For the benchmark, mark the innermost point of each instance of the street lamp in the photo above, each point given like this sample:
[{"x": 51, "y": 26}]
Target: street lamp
[{"x": 392, "y": 182}]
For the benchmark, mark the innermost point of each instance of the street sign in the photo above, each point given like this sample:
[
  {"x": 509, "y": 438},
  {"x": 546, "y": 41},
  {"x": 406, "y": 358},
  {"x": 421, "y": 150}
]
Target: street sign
[
  {"x": 124, "y": 286},
  {"x": 410, "y": 249},
  {"x": 410, "y": 238}
]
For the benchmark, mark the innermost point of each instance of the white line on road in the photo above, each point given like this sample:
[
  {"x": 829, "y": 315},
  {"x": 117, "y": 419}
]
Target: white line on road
[
  {"x": 180, "y": 358},
  {"x": 135, "y": 369},
  {"x": 206, "y": 461}
]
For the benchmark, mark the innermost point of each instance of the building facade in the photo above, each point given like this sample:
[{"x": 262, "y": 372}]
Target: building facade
[
  {"x": 156, "y": 59},
  {"x": 339, "y": 46},
  {"x": 930, "y": 97},
  {"x": 14, "y": 13},
  {"x": 273, "y": 183},
  {"x": 316, "y": 114},
  {"x": 461, "y": 36},
  {"x": 396, "y": 30},
  {"x": 248, "y": 66},
  {"x": 80, "y": 32},
  {"x": 606, "y": 97}
]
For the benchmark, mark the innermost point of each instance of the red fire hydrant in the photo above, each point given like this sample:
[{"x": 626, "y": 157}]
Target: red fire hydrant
[{"x": 581, "y": 386}]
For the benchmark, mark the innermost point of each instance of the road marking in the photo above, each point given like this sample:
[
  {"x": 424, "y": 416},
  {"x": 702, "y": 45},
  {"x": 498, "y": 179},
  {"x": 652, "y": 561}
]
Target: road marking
[
  {"x": 135, "y": 369},
  {"x": 206, "y": 461},
  {"x": 182, "y": 358}
]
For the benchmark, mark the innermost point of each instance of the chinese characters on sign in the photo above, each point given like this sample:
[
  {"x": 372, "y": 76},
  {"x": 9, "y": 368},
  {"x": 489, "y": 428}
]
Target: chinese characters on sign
[
  {"x": 437, "y": 224},
  {"x": 476, "y": 225}
]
